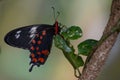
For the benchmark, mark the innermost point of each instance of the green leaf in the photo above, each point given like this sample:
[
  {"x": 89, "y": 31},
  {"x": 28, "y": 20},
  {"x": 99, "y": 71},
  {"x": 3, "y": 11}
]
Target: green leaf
[
  {"x": 74, "y": 32},
  {"x": 86, "y": 46},
  {"x": 76, "y": 61},
  {"x": 68, "y": 51}
]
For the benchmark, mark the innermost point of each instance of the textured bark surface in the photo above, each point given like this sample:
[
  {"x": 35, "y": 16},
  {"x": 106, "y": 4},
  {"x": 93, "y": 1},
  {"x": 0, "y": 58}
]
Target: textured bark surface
[{"x": 100, "y": 56}]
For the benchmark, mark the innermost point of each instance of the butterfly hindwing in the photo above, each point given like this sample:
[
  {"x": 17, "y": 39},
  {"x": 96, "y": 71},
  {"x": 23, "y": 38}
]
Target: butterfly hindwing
[
  {"x": 40, "y": 47},
  {"x": 21, "y": 37}
]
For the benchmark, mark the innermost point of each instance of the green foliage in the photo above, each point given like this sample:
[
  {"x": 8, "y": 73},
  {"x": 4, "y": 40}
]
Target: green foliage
[
  {"x": 86, "y": 46},
  {"x": 62, "y": 41},
  {"x": 75, "y": 60},
  {"x": 72, "y": 33}
]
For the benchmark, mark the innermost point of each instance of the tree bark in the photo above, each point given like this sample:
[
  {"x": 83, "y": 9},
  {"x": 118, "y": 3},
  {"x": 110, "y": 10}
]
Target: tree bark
[{"x": 94, "y": 66}]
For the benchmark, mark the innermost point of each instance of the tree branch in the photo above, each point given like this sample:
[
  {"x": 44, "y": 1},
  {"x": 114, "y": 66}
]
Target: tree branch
[{"x": 94, "y": 66}]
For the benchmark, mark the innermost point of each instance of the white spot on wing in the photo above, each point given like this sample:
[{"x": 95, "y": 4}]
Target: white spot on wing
[
  {"x": 18, "y": 32},
  {"x": 33, "y": 31},
  {"x": 17, "y": 35},
  {"x": 32, "y": 35}
]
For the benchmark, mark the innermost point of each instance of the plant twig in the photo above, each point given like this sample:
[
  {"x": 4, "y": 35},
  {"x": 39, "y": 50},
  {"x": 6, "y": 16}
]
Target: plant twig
[
  {"x": 94, "y": 66},
  {"x": 116, "y": 28}
]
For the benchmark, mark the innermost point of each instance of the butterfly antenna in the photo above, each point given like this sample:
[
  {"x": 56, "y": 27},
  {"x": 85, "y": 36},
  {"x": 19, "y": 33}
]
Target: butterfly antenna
[
  {"x": 53, "y": 12},
  {"x": 58, "y": 13}
]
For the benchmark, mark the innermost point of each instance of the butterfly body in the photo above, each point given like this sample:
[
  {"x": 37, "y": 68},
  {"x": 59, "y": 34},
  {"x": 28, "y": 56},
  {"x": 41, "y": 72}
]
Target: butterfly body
[{"x": 36, "y": 38}]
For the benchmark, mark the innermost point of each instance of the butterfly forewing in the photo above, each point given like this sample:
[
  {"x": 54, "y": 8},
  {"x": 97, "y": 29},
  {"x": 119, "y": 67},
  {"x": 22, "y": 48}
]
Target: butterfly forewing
[{"x": 22, "y": 37}]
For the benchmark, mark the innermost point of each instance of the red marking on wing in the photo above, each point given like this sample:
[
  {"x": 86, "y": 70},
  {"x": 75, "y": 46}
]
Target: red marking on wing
[
  {"x": 39, "y": 42},
  {"x": 45, "y": 52},
  {"x": 41, "y": 37},
  {"x": 34, "y": 60},
  {"x": 43, "y": 32},
  {"x": 33, "y": 41},
  {"x": 32, "y": 55},
  {"x": 38, "y": 53},
  {"x": 37, "y": 48},
  {"x": 41, "y": 60},
  {"x": 32, "y": 48}
]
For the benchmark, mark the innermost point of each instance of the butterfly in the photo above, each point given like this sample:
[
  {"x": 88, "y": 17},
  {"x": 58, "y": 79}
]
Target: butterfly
[{"x": 35, "y": 38}]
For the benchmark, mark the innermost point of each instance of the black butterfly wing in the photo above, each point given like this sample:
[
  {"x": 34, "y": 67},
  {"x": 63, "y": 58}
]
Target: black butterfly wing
[
  {"x": 40, "y": 47},
  {"x": 21, "y": 37},
  {"x": 36, "y": 38}
]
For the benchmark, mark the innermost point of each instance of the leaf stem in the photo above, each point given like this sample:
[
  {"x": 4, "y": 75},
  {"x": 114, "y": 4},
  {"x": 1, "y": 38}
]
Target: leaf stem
[{"x": 75, "y": 73}]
